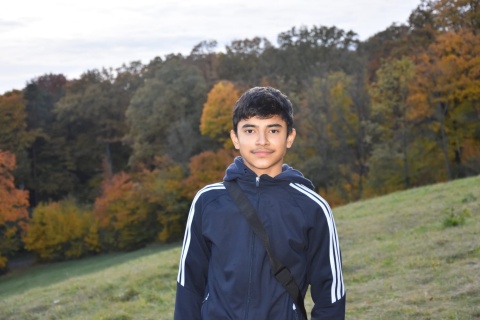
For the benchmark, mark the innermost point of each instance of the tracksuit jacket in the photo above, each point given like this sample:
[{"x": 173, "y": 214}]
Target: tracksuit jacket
[{"x": 225, "y": 272}]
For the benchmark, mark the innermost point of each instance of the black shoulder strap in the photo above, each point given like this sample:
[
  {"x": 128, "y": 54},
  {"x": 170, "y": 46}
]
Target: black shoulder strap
[{"x": 281, "y": 273}]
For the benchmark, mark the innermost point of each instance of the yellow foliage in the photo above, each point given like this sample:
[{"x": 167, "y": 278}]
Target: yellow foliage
[
  {"x": 216, "y": 121},
  {"x": 61, "y": 230}
]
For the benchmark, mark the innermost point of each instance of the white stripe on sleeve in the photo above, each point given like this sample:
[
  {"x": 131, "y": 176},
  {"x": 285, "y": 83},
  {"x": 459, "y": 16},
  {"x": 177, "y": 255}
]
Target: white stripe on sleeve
[
  {"x": 338, "y": 288},
  {"x": 187, "y": 237}
]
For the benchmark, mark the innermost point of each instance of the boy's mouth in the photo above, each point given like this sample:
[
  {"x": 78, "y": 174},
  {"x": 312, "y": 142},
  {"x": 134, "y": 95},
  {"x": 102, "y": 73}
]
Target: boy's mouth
[{"x": 262, "y": 152}]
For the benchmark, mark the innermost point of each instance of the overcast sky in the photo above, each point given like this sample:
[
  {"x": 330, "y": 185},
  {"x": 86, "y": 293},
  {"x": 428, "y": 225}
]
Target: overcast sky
[{"x": 70, "y": 37}]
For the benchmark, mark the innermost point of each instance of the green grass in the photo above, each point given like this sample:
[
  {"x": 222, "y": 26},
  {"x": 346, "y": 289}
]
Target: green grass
[{"x": 409, "y": 255}]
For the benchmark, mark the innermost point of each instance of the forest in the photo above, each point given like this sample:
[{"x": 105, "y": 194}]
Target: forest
[{"x": 111, "y": 161}]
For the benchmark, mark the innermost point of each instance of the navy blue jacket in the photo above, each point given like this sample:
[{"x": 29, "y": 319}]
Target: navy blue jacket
[{"x": 224, "y": 270}]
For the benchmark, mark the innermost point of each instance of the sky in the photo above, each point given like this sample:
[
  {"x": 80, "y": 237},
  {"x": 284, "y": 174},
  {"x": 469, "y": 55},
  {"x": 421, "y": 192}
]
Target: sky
[{"x": 71, "y": 37}]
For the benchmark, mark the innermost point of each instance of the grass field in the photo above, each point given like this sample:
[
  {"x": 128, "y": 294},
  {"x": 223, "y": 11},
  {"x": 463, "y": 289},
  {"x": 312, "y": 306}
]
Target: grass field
[{"x": 409, "y": 255}]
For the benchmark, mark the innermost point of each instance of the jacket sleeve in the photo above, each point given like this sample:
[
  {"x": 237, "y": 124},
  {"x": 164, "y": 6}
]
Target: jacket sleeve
[
  {"x": 193, "y": 268},
  {"x": 325, "y": 267}
]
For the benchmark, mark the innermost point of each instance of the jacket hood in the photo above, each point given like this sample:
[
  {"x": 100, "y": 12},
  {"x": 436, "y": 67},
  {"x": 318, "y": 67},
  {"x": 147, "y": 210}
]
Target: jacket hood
[{"x": 238, "y": 170}]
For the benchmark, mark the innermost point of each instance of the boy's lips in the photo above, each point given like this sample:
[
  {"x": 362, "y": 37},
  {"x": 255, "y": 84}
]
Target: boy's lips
[{"x": 261, "y": 152}]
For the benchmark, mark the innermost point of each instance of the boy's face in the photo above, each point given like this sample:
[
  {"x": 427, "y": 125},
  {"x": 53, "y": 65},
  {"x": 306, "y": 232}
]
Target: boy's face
[{"x": 263, "y": 143}]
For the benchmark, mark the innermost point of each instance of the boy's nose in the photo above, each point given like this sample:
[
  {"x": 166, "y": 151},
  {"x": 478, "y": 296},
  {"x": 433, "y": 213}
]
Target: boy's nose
[{"x": 262, "y": 139}]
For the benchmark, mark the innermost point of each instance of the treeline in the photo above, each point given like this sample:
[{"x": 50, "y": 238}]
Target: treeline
[{"x": 111, "y": 161}]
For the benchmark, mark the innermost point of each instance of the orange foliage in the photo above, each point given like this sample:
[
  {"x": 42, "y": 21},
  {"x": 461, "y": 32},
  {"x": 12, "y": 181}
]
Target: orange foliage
[
  {"x": 162, "y": 189},
  {"x": 447, "y": 72},
  {"x": 127, "y": 219},
  {"x": 13, "y": 209},
  {"x": 471, "y": 155},
  {"x": 205, "y": 168}
]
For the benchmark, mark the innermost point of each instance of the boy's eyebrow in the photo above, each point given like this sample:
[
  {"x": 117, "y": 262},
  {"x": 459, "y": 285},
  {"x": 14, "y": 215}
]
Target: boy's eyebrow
[{"x": 273, "y": 125}]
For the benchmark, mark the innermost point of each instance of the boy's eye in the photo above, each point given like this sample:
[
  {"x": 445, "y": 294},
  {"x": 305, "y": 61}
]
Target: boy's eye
[
  {"x": 249, "y": 131},
  {"x": 274, "y": 131}
]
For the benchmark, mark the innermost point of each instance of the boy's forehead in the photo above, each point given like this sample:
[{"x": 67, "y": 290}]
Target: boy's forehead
[{"x": 264, "y": 120}]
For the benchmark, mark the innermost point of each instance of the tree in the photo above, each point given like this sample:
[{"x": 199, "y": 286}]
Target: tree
[
  {"x": 311, "y": 52},
  {"x": 240, "y": 61},
  {"x": 13, "y": 209},
  {"x": 332, "y": 137},
  {"x": 164, "y": 114},
  {"x": 92, "y": 117},
  {"x": 163, "y": 189},
  {"x": 205, "y": 58},
  {"x": 125, "y": 221},
  {"x": 216, "y": 120},
  {"x": 138, "y": 208},
  {"x": 446, "y": 94},
  {"x": 62, "y": 231},
  {"x": 205, "y": 168},
  {"x": 457, "y": 15},
  {"x": 14, "y": 136},
  {"x": 390, "y": 109},
  {"x": 49, "y": 177}
]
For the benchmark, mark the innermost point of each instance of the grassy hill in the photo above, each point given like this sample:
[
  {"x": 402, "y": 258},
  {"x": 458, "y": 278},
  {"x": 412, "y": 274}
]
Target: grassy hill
[{"x": 409, "y": 255}]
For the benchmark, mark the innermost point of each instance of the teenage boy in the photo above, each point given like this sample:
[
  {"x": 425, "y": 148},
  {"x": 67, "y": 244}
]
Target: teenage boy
[{"x": 225, "y": 272}]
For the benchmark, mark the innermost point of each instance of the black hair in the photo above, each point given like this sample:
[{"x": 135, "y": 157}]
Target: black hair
[{"x": 263, "y": 102}]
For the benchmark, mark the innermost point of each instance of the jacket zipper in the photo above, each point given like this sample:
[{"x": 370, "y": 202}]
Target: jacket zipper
[
  {"x": 250, "y": 275},
  {"x": 252, "y": 258}
]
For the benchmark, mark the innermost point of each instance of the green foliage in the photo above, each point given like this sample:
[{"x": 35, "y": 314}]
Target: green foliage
[
  {"x": 92, "y": 117},
  {"x": 50, "y": 175},
  {"x": 164, "y": 114},
  {"x": 61, "y": 231},
  {"x": 14, "y": 136},
  {"x": 455, "y": 217}
]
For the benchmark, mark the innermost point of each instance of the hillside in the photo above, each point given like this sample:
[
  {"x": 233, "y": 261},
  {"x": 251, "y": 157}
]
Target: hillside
[{"x": 408, "y": 255}]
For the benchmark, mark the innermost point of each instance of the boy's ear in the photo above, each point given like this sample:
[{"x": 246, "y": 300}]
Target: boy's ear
[
  {"x": 291, "y": 138},
  {"x": 234, "y": 138}
]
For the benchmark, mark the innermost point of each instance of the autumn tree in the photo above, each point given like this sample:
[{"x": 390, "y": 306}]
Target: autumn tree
[
  {"x": 331, "y": 139},
  {"x": 62, "y": 231},
  {"x": 391, "y": 111},
  {"x": 163, "y": 189},
  {"x": 125, "y": 221},
  {"x": 216, "y": 120},
  {"x": 206, "y": 168},
  {"x": 457, "y": 15},
  {"x": 138, "y": 208},
  {"x": 446, "y": 95},
  {"x": 13, "y": 210}
]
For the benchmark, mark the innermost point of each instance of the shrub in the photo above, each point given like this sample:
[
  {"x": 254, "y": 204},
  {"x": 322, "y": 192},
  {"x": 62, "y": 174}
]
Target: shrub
[
  {"x": 126, "y": 220},
  {"x": 61, "y": 231},
  {"x": 455, "y": 218}
]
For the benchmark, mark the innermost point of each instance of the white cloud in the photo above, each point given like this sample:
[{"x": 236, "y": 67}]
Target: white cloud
[{"x": 38, "y": 37}]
